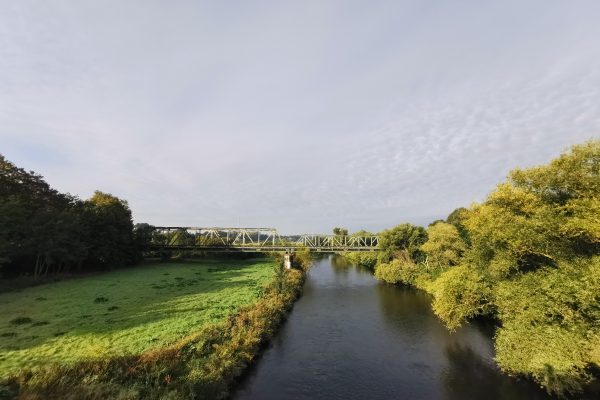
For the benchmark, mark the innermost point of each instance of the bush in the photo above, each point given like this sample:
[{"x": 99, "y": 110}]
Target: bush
[
  {"x": 21, "y": 321},
  {"x": 400, "y": 270},
  {"x": 460, "y": 293},
  {"x": 364, "y": 259}
]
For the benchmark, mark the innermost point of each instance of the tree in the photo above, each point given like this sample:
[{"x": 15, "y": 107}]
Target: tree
[
  {"x": 362, "y": 232},
  {"x": 459, "y": 294},
  {"x": 111, "y": 231},
  {"x": 402, "y": 269},
  {"x": 402, "y": 237},
  {"x": 444, "y": 246},
  {"x": 39, "y": 227},
  {"x": 534, "y": 262},
  {"x": 457, "y": 218},
  {"x": 340, "y": 231},
  {"x": 142, "y": 237}
]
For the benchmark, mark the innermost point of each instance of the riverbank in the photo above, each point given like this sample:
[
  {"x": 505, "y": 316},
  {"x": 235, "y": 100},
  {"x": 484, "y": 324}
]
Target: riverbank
[
  {"x": 457, "y": 284},
  {"x": 352, "y": 337},
  {"x": 202, "y": 364}
]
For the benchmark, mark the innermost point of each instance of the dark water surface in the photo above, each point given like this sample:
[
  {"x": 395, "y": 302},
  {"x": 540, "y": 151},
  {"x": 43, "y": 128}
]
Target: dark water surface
[{"x": 351, "y": 337}]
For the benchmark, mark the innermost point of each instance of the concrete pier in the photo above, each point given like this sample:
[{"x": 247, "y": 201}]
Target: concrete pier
[{"x": 288, "y": 259}]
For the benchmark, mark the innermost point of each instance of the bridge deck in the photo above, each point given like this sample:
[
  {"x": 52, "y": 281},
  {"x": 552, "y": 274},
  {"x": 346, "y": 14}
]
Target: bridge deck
[
  {"x": 255, "y": 240},
  {"x": 259, "y": 249}
]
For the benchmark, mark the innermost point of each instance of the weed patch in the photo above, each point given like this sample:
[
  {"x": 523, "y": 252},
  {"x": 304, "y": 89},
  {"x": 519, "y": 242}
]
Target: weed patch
[
  {"x": 20, "y": 321},
  {"x": 100, "y": 300}
]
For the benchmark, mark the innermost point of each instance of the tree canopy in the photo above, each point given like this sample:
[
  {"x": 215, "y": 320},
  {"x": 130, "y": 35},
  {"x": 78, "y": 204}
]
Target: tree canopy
[
  {"x": 402, "y": 237},
  {"x": 340, "y": 231},
  {"x": 44, "y": 231},
  {"x": 528, "y": 256}
]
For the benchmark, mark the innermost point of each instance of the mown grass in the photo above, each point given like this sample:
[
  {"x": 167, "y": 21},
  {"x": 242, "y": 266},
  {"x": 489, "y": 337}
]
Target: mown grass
[{"x": 124, "y": 312}]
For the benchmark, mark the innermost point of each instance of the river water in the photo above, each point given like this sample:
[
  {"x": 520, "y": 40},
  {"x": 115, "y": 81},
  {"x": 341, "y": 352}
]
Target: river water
[{"x": 352, "y": 337}]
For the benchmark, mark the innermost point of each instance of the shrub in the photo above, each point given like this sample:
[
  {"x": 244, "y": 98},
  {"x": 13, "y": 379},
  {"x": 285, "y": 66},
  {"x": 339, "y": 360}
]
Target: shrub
[
  {"x": 400, "y": 270},
  {"x": 459, "y": 294},
  {"x": 362, "y": 258}
]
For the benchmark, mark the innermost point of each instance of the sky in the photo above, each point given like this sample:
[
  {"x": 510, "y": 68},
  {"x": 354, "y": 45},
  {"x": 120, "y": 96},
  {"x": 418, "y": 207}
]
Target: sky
[{"x": 300, "y": 116}]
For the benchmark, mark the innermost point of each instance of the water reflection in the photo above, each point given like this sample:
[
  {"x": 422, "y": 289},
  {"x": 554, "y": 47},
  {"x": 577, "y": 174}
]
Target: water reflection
[
  {"x": 468, "y": 376},
  {"x": 340, "y": 265},
  {"x": 351, "y": 337}
]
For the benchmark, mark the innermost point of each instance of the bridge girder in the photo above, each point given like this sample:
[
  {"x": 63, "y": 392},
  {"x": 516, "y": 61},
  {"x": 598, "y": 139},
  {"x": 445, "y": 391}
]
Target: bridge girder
[{"x": 249, "y": 239}]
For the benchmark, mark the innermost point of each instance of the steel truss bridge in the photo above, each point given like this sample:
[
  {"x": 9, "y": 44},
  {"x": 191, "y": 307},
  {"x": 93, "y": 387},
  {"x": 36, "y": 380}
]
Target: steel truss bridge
[{"x": 255, "y": 240}]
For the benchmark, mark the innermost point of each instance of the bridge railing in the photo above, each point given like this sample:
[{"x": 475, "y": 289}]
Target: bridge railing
[
  {"x": 338, "y": 241},
  {"x": 264, "y": 238}
]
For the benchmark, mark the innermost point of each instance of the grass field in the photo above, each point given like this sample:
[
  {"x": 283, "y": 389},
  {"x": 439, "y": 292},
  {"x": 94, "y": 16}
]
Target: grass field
[{"x": 122, "y": 312}]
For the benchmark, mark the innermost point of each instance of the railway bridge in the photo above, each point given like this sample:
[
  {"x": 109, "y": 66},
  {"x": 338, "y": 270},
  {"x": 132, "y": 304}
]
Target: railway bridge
[{"x": 255, "y": 240}]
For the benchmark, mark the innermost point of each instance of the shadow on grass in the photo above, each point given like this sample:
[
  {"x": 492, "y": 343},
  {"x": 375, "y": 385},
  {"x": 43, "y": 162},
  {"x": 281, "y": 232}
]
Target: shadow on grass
[{"x": 166, "y": 290}]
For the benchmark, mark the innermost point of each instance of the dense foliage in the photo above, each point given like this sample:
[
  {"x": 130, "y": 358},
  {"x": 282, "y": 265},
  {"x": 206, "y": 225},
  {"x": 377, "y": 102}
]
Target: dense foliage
[
  {"x": 43, "y": 231},
  {"x": 404, "y": 237},
  {"x": 528, "y": 256},
  {"x": 340, "y": 231},
  {"x": 362, "y": 258}
]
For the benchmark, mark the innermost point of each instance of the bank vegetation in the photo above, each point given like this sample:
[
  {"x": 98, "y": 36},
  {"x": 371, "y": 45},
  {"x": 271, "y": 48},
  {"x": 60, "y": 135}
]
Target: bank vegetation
[
  {"x": 46, "y": 235},
  {"x": 527, "y": 257},
  {"x": 202, "y": 365}
]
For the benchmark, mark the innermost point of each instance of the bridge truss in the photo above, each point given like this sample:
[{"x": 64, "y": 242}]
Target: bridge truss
[{"x": 254, "y": 239}]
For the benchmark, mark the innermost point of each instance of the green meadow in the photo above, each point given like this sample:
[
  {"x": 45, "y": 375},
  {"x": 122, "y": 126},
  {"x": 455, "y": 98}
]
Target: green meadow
[{"x": 122, "y": 312}]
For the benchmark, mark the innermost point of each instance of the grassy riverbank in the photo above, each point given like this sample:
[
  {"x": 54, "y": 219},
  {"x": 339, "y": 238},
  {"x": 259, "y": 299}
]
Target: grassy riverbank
[{"x": 182, "y": 331}]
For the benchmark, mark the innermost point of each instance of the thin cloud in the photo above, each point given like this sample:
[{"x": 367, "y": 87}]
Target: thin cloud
[{"x": 297, "y": 116}]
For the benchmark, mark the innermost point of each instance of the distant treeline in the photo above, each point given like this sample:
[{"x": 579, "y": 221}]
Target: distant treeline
[
  {"x": 527, "y": 257},
  {"x": 43, "y": 231}
]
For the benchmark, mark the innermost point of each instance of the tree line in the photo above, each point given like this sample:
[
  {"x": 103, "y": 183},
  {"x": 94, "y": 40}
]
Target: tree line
[
  {"x": 43, "y": 231},
  {"x": 528, "y": 257}
]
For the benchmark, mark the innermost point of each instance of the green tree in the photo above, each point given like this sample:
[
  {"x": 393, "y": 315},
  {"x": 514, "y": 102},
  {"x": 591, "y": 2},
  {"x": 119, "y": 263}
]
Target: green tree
[
  {"x": 444, "y": 246},
  {"x": 459, "y": 294},
  {"x": 143, "y": 234},
  {"x": 402, "y": 237},
  {"x": 362, "y": 232},
  {"x": 39, "y": 227},
  {"x": 458, "y": 218},
  {"x": 340, "y": 231},
  {"x": 402, "y": 269},
  {"x": 533, "y": 262},
  {"x": 111, "y": 231},
  {"x": 550, "y": 323}
]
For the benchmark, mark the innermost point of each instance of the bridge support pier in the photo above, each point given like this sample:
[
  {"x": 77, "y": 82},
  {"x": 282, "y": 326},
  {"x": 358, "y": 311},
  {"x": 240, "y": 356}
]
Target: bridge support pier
[{"x": 288, "y": 259}]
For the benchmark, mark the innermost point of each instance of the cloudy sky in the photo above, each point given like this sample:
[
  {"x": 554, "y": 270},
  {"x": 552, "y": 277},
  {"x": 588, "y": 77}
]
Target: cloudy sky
[{"x": 296, "y": 115}]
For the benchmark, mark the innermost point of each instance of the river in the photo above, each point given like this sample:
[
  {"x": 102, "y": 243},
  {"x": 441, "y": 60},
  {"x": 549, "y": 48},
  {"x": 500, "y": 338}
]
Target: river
[{"x": 352, "y": 337}]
